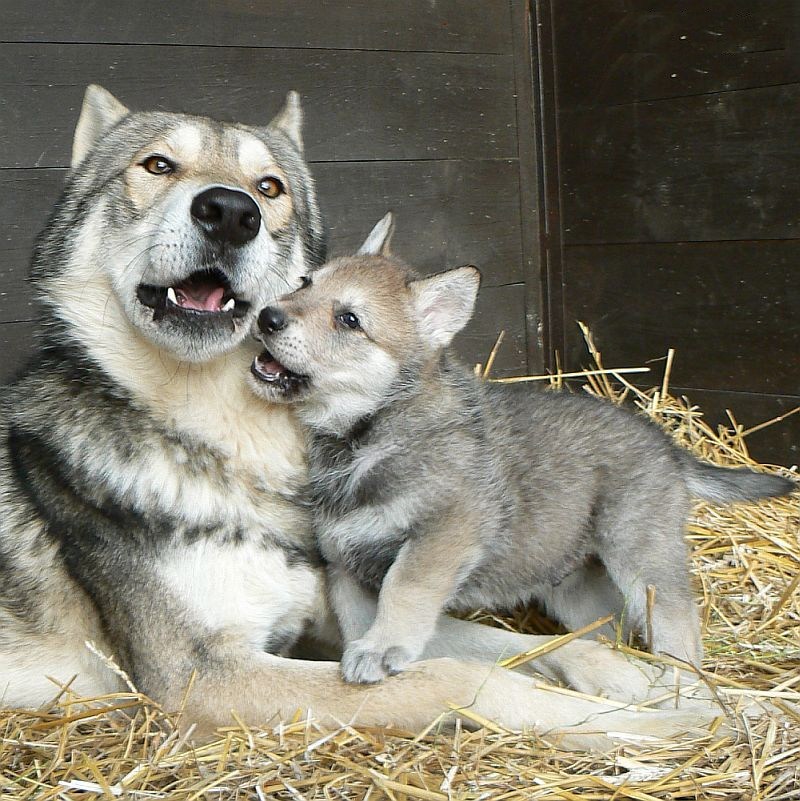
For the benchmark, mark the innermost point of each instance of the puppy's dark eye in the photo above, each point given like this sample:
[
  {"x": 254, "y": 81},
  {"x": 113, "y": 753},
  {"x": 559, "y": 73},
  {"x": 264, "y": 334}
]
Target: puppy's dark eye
[
  {"x": 349, "y": 319},
  {"x": 271, "y": 187},
  {"x": 158, "y": 165},
  {"x": 305, "y": 281}
]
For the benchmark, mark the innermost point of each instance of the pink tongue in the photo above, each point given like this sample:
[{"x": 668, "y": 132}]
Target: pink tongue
[{"x": 200, "y": 298}]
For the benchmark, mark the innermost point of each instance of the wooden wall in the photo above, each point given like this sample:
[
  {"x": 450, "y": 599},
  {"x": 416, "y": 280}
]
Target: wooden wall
[
  {"x": 667, "y": 133},
  {"x": 424, "y": 108},
  {"x": 674, "y": 196}
]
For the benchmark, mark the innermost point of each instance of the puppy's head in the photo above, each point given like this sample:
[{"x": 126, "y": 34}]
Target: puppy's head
[{"x": 360, "y": 329}]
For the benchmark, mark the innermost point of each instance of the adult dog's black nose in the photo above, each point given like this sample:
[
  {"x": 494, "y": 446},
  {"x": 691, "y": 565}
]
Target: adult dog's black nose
[
  {"x": 271, "y": 319},
  {"x": 226, "y": 215}
]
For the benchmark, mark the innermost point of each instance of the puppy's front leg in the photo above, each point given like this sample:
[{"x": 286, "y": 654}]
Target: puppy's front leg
[
  {"x": 422, "y": 579},
  {"x": 353, "y": 605}
]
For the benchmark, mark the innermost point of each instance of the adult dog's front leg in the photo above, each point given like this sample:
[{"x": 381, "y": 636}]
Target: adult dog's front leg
[
  {"x": 590, "y": 667},
  {"x": 225, "y": 673},
  {"x": 262, "y": 689}
]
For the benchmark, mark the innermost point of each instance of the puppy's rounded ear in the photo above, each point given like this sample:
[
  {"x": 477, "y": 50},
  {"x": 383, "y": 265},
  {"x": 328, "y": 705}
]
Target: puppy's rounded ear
[
  {"x": 289, "y": 120},
  {"x": 445, "y": 303},
  {"x": 379, "y": 238},
  {"x": 100, "y": 112}
]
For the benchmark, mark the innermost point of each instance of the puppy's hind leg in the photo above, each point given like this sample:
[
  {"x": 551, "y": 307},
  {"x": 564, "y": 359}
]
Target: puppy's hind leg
[
  {"x": 643, "y": 547},
  {"x": 584, "y": 596}
]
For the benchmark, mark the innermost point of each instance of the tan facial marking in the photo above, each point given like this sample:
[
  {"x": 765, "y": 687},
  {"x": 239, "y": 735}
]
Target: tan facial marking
[
  {"x": 186, "y": 143},
  {"x": 254, "y": 156},
  {"x": 182, "y": 147},
  {"x": 255, "y": 161}
]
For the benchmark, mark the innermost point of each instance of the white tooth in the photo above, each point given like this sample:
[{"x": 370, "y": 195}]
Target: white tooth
[
  {"x": 171, "y": 296},
  {"x": 229, "y": 305}
]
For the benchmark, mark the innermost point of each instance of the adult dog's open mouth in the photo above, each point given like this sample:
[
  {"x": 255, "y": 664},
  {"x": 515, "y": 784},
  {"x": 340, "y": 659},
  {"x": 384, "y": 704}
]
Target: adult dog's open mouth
[
  {"x": 204, "y": 292},
  {"x": 267, "y": 369}
]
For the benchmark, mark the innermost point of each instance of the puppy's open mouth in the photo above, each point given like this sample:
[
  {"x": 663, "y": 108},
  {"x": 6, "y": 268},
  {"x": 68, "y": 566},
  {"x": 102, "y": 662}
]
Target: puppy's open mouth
[
  {"x": 204, "y": 292},
  {"x": 269, "y": 370}
]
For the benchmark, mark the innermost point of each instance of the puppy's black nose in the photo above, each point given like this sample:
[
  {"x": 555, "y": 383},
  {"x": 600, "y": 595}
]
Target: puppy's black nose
[
  {"x": 226, "y": 215},
  {"x": 271, "y": 319}
]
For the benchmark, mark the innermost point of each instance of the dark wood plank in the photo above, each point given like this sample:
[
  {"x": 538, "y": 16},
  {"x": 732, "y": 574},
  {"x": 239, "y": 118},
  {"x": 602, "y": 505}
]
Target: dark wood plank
[
  {"x": 530, "y": 174},
  {"x": 461, "y": 26},
  {"x": 448, "y": 213},
  {"x": 499, "y": 308},
  {"x": 612, "y": 52},
  {"x": 359, "y": 105},
  {"x": 730, "y": 310},
  {"x": 26, "y": 197},
  {"x": 777, "y": 444},
  {"x": 690, "y": 169},
  {"x": 17, "y": 344}
]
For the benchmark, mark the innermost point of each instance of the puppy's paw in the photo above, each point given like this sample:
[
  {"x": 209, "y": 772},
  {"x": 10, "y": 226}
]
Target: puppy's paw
[
  {"x": 396, "y": 659},
  {"x": 362, "y": 663},
  {"x": 365, "y": 663}
]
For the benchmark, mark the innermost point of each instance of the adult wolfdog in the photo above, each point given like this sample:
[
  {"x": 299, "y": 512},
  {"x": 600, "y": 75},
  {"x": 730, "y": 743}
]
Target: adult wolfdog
[{"x": 151, "y": 503}]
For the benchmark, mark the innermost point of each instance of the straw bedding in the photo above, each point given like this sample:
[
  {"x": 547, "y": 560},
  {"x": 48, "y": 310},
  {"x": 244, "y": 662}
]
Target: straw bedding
[{"x": 746, "y": 561}]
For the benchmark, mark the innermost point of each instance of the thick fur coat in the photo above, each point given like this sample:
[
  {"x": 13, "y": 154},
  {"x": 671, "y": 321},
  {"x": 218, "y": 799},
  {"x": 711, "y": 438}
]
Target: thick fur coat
[{"x": 151, "y": 503}]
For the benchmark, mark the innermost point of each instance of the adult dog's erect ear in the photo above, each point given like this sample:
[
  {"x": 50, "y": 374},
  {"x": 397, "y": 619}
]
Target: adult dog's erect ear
[
  {"x": 379, "y": 238},
  {"x": 100, "y": 112},
  {"x": 445, "y": 302},
  {"x": 289, "y": 120}
]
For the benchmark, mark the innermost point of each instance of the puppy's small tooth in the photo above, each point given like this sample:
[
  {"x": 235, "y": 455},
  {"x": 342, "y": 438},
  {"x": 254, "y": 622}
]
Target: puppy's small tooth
[
  {"x": 171, "y": 296},
  {"x": 229, "y": 305}
]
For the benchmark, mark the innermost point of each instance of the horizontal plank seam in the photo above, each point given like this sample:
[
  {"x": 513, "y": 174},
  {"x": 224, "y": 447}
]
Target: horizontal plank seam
[
  {"x": 506, "y": 159},
  {"x": 647, "y": 101},
  {"x": 257, "y": 47},
  {"x": 674, "y": 390},
  {"x": 638, "y": 243}
]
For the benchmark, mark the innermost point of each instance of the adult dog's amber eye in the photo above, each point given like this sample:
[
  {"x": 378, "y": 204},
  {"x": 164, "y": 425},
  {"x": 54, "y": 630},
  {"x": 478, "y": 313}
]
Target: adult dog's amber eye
[
  {"x": 158, "y": 165},
  {"x": 271, "y": 187}
]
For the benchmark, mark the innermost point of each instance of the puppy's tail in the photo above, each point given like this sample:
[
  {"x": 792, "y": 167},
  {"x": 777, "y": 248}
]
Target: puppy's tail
[{"x": 726, "y": 485}]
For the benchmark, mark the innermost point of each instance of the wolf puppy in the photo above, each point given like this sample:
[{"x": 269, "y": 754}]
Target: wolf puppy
[{"x": 439, "y": 491}]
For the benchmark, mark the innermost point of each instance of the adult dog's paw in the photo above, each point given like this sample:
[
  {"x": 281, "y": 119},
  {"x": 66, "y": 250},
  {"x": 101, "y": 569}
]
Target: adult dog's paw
[
  {"x": 596, "y": 669},
  {"x": 365, "y": 663}
]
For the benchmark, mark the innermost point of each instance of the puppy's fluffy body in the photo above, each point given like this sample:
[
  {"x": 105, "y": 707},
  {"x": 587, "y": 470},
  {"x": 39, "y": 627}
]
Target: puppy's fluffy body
[{"x": 437, "y": 491}]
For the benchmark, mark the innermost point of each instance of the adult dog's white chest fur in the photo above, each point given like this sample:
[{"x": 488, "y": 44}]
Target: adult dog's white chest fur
[{"x": 265, "y": 595}]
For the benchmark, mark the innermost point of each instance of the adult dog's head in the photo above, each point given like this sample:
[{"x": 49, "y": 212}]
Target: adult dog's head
[{"x": 176, "y": 229}]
